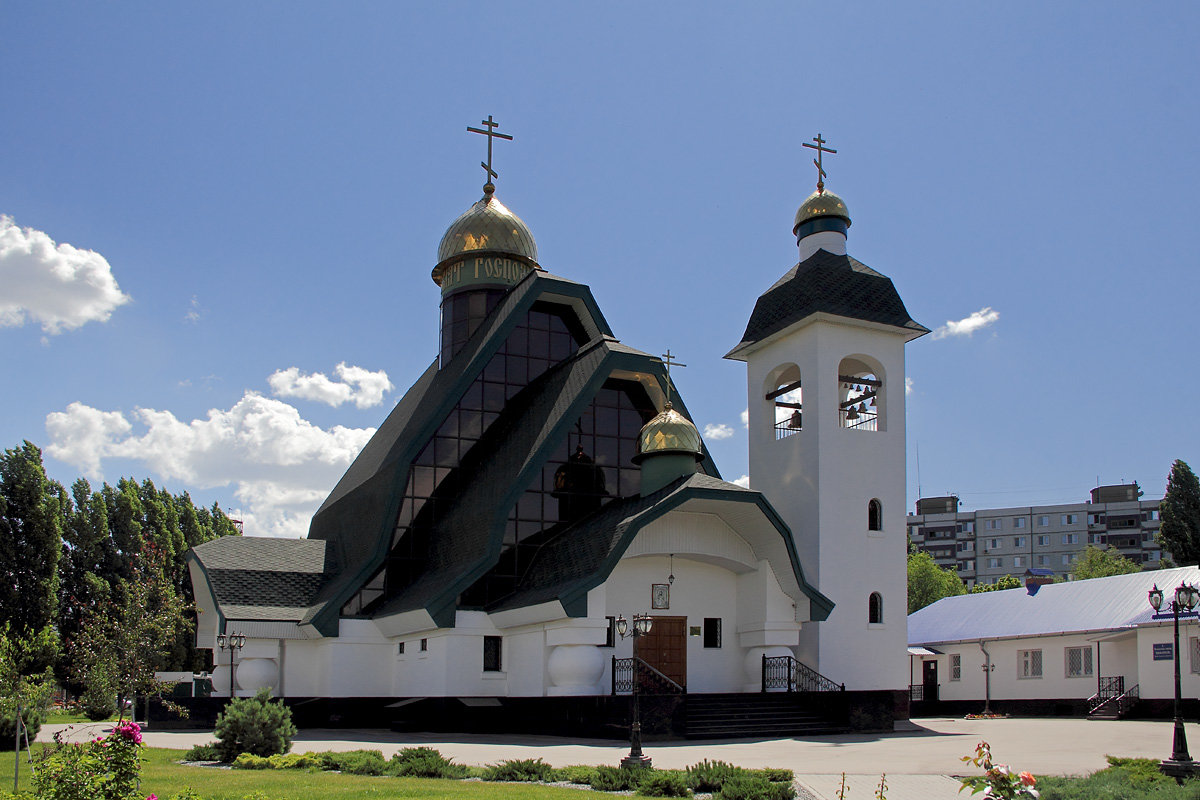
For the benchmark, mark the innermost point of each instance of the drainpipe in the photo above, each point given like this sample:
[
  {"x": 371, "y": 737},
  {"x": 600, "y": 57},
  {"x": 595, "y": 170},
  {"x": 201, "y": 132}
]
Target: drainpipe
[{"x": 987, "y": 678}]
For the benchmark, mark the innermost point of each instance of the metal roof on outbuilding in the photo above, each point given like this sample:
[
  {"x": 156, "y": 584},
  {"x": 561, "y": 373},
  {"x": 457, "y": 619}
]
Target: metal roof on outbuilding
[{"x": 1098, "y": 604}]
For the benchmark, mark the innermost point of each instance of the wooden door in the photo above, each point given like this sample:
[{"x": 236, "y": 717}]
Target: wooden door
[
  {"x": 930, "y": 680},
  {"x": 665, "y": 648}
]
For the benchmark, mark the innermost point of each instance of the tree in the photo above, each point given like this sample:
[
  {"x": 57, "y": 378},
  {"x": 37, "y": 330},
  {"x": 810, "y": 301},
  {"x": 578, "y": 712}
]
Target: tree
[
  {"x": 1179, "y": 512},
  {"x": 26, "y": 682},
  {"x": 928, "y": 583},
  {"x": 30, "y": 541},
  {"x": 1006, "y": 582},
  {"x": 1100, "y": 563}
]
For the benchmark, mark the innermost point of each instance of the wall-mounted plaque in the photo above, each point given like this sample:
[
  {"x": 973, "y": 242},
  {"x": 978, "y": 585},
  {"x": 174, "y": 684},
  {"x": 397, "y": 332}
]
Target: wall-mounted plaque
[{"x": 660, "y": 596}]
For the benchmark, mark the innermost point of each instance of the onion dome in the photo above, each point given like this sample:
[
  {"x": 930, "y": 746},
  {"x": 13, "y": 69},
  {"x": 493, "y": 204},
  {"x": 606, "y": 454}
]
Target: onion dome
[
  {"x": 488, "y": 244},
  {"x": 822, "y": 211},
  {"x": 669, "y": 432}
]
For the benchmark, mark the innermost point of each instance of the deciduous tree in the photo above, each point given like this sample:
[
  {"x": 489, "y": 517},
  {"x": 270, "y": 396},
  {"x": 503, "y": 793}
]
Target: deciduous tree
[
  {"x": 928, "y": 583},
  {"x": 1100, "y": 563}
]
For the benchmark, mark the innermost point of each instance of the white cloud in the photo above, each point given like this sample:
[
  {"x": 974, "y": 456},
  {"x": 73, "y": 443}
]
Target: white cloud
[
  {"x": 280, "y": 465},
  {"x": 968, "y": 325},
  {"x": 743, "y": 482},
  {"x": 745, "y": 418},
  {"x": 194, "y": 312},
  {"x": 363, "y": 387},
  {"x": 908, "y": 385},
  {"x": 717, "y": 432},
  {"x": 57, "y": 285}
]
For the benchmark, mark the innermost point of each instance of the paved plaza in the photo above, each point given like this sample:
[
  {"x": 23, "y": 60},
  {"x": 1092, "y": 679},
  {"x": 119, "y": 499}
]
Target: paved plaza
[{"x": 917, "y": 757}]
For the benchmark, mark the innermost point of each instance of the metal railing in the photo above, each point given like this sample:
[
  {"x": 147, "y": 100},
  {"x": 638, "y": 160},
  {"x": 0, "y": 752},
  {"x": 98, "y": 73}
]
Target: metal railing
[
  {"x": 916, "y": 692},
  {"x": 625, "y": 671},
  {"x": 785, "y": 672},
  {"x": 1114, "y": 697},
  {"x": 1110, "y": 689}
]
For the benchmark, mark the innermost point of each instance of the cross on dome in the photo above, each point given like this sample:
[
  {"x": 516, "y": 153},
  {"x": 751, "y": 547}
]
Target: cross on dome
[
  {"x": 817, "y": 162},
  {"x": 490, "y": 133}
]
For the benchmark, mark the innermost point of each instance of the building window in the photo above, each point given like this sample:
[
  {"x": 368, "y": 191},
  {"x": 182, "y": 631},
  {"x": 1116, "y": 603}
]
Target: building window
[
  {"x": 1043, "y": 540},
  {"x": 1043, "y": 560},
  {"x": 956, "y": 666},
  {"x": 914, "y": 530},
  {"x": 1067, "y": 559},
  {"x": 610, "y": 636},
  {"x": 993, "y": 524},
  {"x": 874, "y": 515},
  {"x": 993, "y": 544},
  {"x": 400, "y": 649},
  {"x": 1195, "y": 648},
  {"x": 875, "y": 608},
  {"x": 1018, "y": 561},
  {"x": 1070, "y": 519},
  {"x": 1029, "y": 664},
  {"x": 1151, "y": 515},
  {"x": 1078, "y": 662},
  {"x": 966, "y": 547},
  {"x": 491, "y": 653},
  {"x": 1070, "y": 538},
  {"x": 1018, "y": 541},
  {"x": 860, "y": 396},
  {"x": 1043, "y": 522},
  {"x": 1018, "y": 522},
  {"x": 967, "y": 527},
  {"x": 424, "y": 645},
  {"x": 993, "y": 563},
  {"x": 712, "y": 631}
]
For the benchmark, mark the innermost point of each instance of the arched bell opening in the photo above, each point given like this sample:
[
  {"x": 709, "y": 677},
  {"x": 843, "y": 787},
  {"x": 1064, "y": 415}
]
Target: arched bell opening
[
  {"x": 860, "y": 394},
  {"x": 784, "y": 394}
]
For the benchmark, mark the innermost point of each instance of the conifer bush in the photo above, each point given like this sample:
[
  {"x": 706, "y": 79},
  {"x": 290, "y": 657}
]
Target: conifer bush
[
  {"x": 663, "y": 783},
  {"x": 254, "y": 725},
  {"x": 524, "y": 769},
  {"x": 424, "y": 762}
]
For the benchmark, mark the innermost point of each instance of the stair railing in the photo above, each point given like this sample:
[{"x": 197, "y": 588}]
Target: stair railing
[
  {"x": 1110, "y": 689},
  {"x": 627, "y": 670},
  {"x": 785, "y": 672}
]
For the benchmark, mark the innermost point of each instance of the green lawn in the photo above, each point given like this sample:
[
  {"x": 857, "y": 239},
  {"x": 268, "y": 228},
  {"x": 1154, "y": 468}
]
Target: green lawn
[
  {"x": 163, "y": 777},
  {"x": 57, "y": 716}
]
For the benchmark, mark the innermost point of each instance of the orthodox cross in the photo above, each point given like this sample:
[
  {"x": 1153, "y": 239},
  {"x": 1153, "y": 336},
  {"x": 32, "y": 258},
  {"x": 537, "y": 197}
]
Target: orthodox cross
[
  {"x": 490, "y": 133},
  {"x": 817, "y": 162},
  {"x": 669, "y": 361}
]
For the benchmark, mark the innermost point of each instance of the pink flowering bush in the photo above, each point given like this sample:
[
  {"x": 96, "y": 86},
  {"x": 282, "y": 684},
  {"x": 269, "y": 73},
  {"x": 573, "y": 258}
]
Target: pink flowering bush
[
  {"x": 997, "y": 780},
  {"x": 106, "y": 768}
]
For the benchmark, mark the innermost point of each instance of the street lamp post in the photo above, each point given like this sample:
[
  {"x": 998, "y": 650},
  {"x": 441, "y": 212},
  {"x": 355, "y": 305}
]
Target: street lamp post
[
  {"x": 1180, "y": 764},
  {"x": 233, "y": 642},
  {"x": 642, "y": 623}
]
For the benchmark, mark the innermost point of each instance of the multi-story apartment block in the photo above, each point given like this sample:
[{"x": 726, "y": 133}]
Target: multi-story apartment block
[{"x": 982, "y": 546}]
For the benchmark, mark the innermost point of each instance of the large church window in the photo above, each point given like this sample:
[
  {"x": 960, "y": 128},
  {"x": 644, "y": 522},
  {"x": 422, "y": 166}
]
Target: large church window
[
  {"x": 547, "y": 330},
  {"x": 784, "y": 395},
  {"x": 860, "y": 395}
]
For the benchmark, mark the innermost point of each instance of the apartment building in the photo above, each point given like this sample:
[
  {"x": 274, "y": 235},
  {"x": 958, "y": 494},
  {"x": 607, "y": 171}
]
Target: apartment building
[{"x": 984, "y": 545}]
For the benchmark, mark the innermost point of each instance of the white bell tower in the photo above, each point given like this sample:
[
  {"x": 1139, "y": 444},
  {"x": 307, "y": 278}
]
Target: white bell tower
[{"x": 824, "y": 351}]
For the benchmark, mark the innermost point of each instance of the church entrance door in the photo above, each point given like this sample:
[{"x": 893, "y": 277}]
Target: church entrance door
[{"x": 665, "y": 648}]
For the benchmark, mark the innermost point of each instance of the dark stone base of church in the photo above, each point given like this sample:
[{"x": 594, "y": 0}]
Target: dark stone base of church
[
  {"x": 1071, "y": 707},
  {"x": 603, "y": 717}
]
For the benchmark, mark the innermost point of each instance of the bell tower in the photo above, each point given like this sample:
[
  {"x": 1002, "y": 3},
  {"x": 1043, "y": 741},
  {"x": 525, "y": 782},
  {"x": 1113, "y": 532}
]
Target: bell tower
[{"x": 824, "y": 352}]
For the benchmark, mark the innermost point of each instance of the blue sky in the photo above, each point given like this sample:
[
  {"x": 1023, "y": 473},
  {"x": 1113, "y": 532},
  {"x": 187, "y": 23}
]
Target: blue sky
[{"x": 209, "y": 209}]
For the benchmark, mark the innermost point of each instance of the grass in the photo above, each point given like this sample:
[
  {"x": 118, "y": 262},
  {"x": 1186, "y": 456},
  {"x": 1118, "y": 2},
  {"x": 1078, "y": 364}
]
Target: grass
[
  {"x": 163, "y": 777},
  {"x": 56, "y": 716},
  {"x": 1123, "y": 779}
]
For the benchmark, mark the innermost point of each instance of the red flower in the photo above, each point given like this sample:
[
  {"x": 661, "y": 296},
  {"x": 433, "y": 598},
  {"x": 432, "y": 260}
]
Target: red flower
[{"x": 1027, "y": 779}]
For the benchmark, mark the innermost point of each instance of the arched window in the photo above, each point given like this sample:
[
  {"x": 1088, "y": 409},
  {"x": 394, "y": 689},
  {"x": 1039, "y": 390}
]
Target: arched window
[
  {"x": 860, "y": 395},
  {"x": 875, "y": 608},
  {"x": 874, "y": 515},
  {"x": 784, "y": 394}
]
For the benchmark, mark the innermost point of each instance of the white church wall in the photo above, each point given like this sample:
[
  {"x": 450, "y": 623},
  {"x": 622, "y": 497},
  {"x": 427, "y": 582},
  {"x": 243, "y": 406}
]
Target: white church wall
[{"x": 1157, "y": 678}]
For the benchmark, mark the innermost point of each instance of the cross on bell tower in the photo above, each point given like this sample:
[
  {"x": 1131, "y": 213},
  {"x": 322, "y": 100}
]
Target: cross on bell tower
[
  {"x": 818, "y": 162},
  {"x": 490, "y": 133}
]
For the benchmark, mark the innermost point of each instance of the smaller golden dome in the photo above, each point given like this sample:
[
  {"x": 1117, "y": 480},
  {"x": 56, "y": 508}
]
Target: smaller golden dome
[
  {"x": 821, "y": 204},
  {"x": 486, "y": 227},
  {"x": 669, "y": 432}
]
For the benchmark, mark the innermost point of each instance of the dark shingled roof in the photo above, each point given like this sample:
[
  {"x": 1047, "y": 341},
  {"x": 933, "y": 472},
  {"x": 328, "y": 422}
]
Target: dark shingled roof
[
  {"x": 583, "y": 555},
  {"x": 253, "y": 577},
  {"x": 829, "y": 284}
]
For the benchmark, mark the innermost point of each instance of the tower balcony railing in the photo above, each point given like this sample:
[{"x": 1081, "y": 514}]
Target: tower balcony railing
[
  {"x": 859, "y": 420},
  {"x": 785, "y": 428}
]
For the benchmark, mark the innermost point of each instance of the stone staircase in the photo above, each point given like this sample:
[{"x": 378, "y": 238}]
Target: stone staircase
[{"x": 774, "y": 714}]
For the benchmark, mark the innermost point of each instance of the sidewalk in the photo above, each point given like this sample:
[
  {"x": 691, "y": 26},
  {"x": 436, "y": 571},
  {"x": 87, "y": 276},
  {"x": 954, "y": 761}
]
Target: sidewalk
[{"x": 916, "y": 758}]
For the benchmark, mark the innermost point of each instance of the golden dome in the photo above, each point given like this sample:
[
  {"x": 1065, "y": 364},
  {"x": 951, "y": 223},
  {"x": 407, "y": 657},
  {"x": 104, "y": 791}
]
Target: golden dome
[
  {"x": 821, "y": 204},
  {"x": 486, "y": 227},
  {"x": 669, "y": 432}
]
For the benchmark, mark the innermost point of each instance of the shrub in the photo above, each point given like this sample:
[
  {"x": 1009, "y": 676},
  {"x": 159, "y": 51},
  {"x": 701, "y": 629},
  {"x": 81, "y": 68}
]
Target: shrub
[
  {"x": 581, "y": 774},
  {"x": 424, "y": 762},
  {"x": 294, "y": 761},
  {"x": 251, "y": 761},
  {"x": 663, "y": 783},
  {"x": 254, "y": 725},
  {"x": 202, "y": 752},
  {"x": 32, "y": 717},
  {"x": 710, "y": 776},
  {"x": 775, "y": 775},
  {"x": 187, "y": 794},
  {"x": 354, "y": 762},
  {"x": 102, "y": 769},
  {"x": 617, "y": 779},
  {"x": 525, "y": 769},
  {"x": 754, "y": 787}
]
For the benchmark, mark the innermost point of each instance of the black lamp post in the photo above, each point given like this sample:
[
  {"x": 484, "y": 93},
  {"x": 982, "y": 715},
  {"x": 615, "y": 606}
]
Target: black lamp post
[
  {"x": 233, "y": 642},
  {"x": 1180, "y": 764},
  {"x": 642, "y": 623}
]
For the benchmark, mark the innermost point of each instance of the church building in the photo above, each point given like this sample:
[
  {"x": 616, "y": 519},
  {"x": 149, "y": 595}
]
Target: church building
[{"x": 541, "y": 486}]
